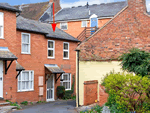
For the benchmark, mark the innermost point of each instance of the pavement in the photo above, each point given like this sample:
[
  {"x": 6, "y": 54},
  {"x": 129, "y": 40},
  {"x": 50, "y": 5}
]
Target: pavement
[{"x": 62, "y": 106}]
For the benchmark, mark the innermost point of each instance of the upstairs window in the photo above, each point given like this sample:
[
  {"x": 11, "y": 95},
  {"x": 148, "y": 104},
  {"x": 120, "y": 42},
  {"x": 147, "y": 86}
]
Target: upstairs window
[
  {"x": 1, "y": 25},
  {"x": 66, "y": 77},
  {"x": 51, "y": 49},
  {"x": 66, "y": 50},
  {"x": 25, "y": 43},
  {"x": 84, "y": 23},
  {"x": 64, "y": 26}
]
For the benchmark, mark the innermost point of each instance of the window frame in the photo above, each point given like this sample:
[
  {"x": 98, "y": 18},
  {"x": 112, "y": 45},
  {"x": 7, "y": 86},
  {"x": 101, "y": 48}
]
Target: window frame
[
  {"x": 51, "y": 49},
  {"x": 2, "y": 37},
  {"x": 64, "y": 23},
  {"x": 82, "y": 23},
  {"x": 29, "y": 43},
  {"x": 24, "y": 90},
  {"x": 65, "y": 50},
  {"x": 61, "y": 82}
]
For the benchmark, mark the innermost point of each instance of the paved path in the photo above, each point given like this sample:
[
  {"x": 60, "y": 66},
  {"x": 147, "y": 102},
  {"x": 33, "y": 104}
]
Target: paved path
[{"x": 52, "y": 107}]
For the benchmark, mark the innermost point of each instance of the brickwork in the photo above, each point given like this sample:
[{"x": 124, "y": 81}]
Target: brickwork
[
  {"x": 102, "y": 95},
  {"x": 34, "y": 61},
  {"x": 90, "y": 92},
  {"x": 74, "y": 27},
  {"x": 129, "y": 28}
]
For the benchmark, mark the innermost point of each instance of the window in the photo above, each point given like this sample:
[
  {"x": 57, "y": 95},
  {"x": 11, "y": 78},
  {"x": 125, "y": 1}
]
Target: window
[
  {"x": 26, "y": 81},
  {"x": 66, "y": 50},
  {"x": 64, "y": 26},
  {"x": 1, "y": 25},
  {"x": 25, "y": 43},
  {"x": 66, "y": 81},
  {"x": 51, "y": 49},
  {"x": 84, "y": 23}
]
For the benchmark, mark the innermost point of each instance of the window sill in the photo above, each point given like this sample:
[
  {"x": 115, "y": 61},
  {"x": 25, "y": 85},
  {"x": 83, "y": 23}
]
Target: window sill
[
  {"x": 25, "y": 91},
  {"x": 67, "y": 89},
  {"x": 66, "y": 59},
  {"x": 26, "y": 53},
  {"x": 51, "y": 57},
  {"x": 2, "y": 38}
]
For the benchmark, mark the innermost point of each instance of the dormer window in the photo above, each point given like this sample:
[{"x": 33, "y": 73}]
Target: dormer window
[{"x": 1, "y": 25}]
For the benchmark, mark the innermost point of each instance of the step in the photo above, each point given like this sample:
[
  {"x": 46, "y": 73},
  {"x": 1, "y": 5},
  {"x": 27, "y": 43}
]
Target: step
[
  {"x": 7, "y": 109},
  {"x": 4, "y": 104}
]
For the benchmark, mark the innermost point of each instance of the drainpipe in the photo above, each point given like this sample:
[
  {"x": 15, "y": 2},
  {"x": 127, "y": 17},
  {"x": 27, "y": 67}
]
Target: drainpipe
[{"x": 78, "y": 75}]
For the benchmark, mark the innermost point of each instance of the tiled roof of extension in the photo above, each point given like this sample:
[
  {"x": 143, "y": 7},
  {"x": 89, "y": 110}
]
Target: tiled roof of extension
[
  {"x": 82, "y": 12},
  {"x": 8, "y": 7},
  {"x": 33, "y": 11},
  {"x": 44, "y": 28}
]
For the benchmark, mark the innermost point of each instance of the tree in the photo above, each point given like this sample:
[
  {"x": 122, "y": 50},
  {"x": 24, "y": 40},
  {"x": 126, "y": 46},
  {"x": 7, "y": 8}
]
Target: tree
[
  {"x": 128, "y": 92},
  {"x": 136, "y": 61}
]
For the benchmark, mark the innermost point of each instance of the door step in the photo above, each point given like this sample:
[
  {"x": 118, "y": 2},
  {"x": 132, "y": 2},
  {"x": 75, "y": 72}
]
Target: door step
[{"x": 4, "y": 104}]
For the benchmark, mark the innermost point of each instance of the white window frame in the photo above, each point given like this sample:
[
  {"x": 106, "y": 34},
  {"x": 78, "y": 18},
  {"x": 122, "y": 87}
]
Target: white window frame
[
  {"x": 24, "y": 80},
  {"x": 51, "y": 49},
  {"x": 82, "y": 23},
  {"x": 65, "y": 50},
  {"x": 2, "y": 29},
  {"x": 65, "y": 80},
  {"x": 26, "y": 43},
  {"x": 64, "y": 23}
]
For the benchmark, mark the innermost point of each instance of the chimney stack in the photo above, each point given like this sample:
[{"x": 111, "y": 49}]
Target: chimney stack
[
  {"x": 57, "y": 5},
  {"x": 137, "y": 5}
]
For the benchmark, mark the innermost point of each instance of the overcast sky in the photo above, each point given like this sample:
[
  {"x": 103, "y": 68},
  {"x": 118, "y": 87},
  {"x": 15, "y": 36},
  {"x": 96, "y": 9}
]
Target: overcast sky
[{"x": 67, "y": 3}]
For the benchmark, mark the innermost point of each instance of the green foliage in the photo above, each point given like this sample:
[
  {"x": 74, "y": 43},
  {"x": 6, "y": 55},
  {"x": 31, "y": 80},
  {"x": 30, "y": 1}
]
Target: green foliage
[
  {"x": 60, "y": 91},
  {"x": 127, "y": 92},
  {"x": 31, "y": 103},
  {"x": 24, "y": 103},
  {"x": 95, "y": 109},
  {"x": 14, "y": 104},
  {"x": 39, "y": 102},
  {"x": 136, "y": 61}
]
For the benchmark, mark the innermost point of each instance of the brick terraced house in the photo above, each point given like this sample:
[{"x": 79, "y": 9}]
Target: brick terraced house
[
  {"x": 82, "y": 21},
  {"x": 33, "y": 58},
  {"x": 129, "y": 28}
]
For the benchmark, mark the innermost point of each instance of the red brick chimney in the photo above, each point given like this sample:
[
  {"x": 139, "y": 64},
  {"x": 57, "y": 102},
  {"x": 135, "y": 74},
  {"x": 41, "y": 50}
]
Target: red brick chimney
[
  {"x": 57, "y": 5},
  {"x": 137, "y": 5}
]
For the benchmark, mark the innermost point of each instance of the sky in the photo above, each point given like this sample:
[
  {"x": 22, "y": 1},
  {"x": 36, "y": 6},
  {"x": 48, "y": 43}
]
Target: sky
[{"x": 67, "y": 3}]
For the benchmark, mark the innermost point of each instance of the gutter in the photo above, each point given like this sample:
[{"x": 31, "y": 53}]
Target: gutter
[{"x": 78, "y": 76}]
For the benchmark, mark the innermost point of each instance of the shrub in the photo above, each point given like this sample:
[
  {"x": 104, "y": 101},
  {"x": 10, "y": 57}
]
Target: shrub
[
  {"x": 128, "y": 91},
  {"x": 24, "y": 103},
  {"x": 14, "y": 104},
  {"x": 60, "y": 91}
]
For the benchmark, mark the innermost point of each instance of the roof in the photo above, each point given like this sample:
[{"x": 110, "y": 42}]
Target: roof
[
  {"x": 148, "y": 13},
  {"x": 44, "y": 28},
  {"x": 82, "y": 12},
  {"x": 5, "y": 54},
  {"x": 8, "y": 7},
  {"x": 19, "y": 67},
  {"x": 33, "y": 11},
  {"x": 53, "y": 68}
]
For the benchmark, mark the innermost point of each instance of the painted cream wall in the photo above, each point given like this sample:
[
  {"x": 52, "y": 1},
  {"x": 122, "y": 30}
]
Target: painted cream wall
[{"x": 90, "y": 70}]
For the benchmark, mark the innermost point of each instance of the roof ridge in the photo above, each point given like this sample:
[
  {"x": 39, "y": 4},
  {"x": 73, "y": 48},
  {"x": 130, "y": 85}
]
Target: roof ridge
[{"x": 32, "y": 3}]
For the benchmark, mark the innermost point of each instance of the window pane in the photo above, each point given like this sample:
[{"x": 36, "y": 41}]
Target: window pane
[
  {"x": 27, "y": 85},
  {"x": 50, "y": 53},
  {"x": 63, "y": 25},
  {"x": 27, "y": 76},
  {"x": 50, "y": 44},
  {"x": 66, "y": 46},
  {"x": 23, "y": 85},
  {"x": 31, "y": 85},
  {"x": 25, "y": 38},
  {"x": 65, "y": 54},
  {"x": 65, "y": 77},
  {"x": 19, "y": 77},
  {"x": 69, "y": 77},
  {"x": 0, "y": 31},
  {"x": 25, "y": 47},
  {"x": 83, "y": 23},
  {"x": 19, "y": 85}
]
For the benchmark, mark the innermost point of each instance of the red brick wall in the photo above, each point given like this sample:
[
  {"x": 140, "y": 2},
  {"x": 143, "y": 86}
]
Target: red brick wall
[
  {"x": 90, "y": 91},
  {"x": 102, "y": 95},
  {"x": 74, "y": 27},
  {"x": 9, "y": 81},
  {"x": 130, "y": 28}
]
